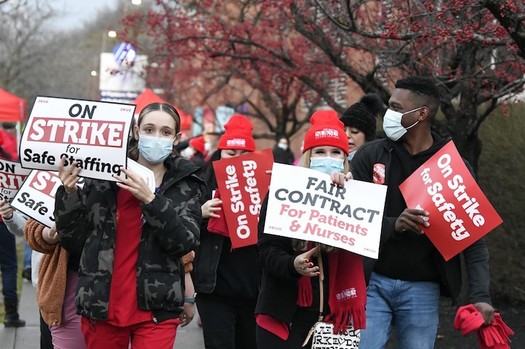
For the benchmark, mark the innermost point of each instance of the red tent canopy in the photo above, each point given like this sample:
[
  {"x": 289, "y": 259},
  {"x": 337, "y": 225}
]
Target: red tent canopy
[
  {"x": 12, "y": 108},
  {"x": 148, "y": 96}
]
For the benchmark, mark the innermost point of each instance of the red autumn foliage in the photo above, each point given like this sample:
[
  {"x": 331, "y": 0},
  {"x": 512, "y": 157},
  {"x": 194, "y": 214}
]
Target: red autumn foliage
[{"x": 277, "y": 55}]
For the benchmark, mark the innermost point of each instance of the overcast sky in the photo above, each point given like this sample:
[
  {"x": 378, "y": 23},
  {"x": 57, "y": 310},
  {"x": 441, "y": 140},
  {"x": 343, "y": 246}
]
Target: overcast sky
[{"x": 74, "y": 13}]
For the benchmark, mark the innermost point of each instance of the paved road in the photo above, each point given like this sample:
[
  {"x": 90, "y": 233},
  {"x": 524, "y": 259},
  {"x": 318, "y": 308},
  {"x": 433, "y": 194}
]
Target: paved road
[{"x": 189, "y": 337}]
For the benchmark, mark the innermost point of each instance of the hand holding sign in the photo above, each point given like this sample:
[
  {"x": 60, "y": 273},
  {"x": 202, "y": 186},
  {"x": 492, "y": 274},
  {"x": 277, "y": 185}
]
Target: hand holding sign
[
  {"x": 339, "y": 178},
  {"x": 210, "y": 208},
  {"x": 411, "y": 219},
  {"x": 6, "y": 211},
  {"x": 68, "y": 176},
  {"x": 136, "y": 185}
]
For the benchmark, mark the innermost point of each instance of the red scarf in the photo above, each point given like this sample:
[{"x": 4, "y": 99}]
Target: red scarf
[{"x": 346, "y": 291}]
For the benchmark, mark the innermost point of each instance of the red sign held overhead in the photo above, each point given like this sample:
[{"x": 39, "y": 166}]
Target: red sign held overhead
[
  {"x": 243, "y": 184},
  {"x": 459, "y": 212}
]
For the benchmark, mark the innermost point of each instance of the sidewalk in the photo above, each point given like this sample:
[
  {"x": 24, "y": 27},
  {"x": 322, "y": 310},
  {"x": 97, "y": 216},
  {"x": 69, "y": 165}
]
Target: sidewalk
[{"x": 28, "y": 337}]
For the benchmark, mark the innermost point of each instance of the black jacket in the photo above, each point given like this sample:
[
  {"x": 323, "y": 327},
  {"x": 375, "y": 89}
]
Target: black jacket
[
  {"x": 278, "y": 291},
  {"x": 224, "y": 272},
  {"x": 86, "y": 220},
  {"x": 279, "y": 283},
  {"x": 449, "y": 275}
]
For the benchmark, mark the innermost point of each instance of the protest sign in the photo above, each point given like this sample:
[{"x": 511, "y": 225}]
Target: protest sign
[
  {"x": 93, "y": 135},
  {"x": 304, "y": 204},
  {"x": 36, "y": 197},
  {"x": 459, "y": 212},
  {"x": 12, "y": 175},
  {"x": 243, "y": 183}
]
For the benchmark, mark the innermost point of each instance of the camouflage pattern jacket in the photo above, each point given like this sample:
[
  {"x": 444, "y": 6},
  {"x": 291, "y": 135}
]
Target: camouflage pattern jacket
[{"x": 87, "y": 220}]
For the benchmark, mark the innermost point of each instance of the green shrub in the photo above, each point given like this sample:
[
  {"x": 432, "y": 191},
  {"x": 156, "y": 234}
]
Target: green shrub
[{"x": 501, "y": 165}]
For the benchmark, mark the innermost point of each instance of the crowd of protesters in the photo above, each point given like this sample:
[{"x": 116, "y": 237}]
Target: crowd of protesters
[{"x": 124, "y": 266}]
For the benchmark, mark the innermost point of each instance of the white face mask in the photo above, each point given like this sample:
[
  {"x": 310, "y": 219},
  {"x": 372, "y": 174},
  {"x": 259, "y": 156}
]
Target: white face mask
[
  {"x": 283, "y": 146},
  {"x": 392, "y": 124}
]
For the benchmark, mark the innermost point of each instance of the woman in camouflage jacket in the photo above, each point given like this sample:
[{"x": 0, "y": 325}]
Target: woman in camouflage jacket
[{"x": 131, "y": 278}]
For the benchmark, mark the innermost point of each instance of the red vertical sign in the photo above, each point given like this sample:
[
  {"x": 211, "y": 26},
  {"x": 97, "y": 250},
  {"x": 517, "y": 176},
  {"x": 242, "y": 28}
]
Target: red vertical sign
[
  {"x": 243, "y": 183},
  {"x": 459, "y": 212}
]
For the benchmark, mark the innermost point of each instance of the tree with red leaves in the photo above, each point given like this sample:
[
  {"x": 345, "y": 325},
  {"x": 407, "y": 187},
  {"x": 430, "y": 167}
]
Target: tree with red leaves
[
  {"x": 282, "y": 54},
  {"x": 207, "y": 51},
  {"x": 460, "y": 43}
]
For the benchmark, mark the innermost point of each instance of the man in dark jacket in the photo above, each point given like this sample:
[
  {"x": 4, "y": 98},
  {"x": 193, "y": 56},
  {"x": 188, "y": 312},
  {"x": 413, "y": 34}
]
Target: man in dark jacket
[{"x": 407, "y": 279}]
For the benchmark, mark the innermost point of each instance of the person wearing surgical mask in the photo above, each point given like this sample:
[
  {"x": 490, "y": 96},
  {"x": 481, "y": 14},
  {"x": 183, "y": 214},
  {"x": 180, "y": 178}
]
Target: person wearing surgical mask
[
  {"x": 409, "y": 276},
  {"x": 282, "y": 153},
  {"x": 132, "y": 288},
  {"x": 226, "y": 279},
  {"x": 288, "y": 303}
]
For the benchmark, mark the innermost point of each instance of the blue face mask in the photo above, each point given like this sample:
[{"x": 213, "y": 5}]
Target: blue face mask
[
  {"x": 155, "y": 149},
  {"x": 327, "y": 164}
]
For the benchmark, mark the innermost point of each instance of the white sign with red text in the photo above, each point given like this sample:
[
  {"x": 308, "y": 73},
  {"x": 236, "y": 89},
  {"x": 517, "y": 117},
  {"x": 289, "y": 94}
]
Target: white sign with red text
[
  {"x": 12, "y": 175},
  {"x": 304, "y": 204},
  {"x": 93, "y": 135},
  {"x": 36, "y": 197}
]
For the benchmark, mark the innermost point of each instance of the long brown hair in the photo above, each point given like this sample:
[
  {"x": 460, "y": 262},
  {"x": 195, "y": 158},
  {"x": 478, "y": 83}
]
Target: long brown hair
[{"x": 133, "y": 151}]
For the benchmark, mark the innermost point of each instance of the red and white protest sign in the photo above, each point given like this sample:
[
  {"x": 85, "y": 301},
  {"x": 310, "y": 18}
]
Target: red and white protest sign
[
  {"x": 36, "y": 197},
  {"x": 12, "y": 176},
  {"x": 243, "y": 183},
  {"x": 93, "y": 135},
  {"x": 459, "y": 212},
  {"x": 304, "y": 204}
]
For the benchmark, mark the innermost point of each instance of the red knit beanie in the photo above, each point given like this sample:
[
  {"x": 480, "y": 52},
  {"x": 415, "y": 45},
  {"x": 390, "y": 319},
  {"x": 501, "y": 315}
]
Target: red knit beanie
[
  {"x": 237, "y": 134},
  {"x": 197, "y": 143},
  {"x": 326, "y": 130}
]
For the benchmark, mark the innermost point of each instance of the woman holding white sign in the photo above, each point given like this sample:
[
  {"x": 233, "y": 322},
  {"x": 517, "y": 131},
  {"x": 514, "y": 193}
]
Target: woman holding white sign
[
  {"x": 131, "y": 281},
  {"x": 291, "y": 294}
]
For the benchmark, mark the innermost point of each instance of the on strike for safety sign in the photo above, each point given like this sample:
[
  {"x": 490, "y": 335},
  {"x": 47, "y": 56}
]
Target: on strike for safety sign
[
  {"x": 459, "y": 212},
  {"x": 90, "y": 134}
]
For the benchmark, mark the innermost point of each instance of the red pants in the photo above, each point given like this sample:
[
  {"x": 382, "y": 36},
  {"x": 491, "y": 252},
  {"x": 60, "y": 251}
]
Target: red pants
[{"x": 100, "y": 334}]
